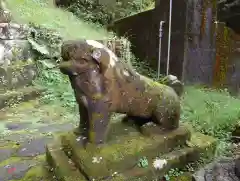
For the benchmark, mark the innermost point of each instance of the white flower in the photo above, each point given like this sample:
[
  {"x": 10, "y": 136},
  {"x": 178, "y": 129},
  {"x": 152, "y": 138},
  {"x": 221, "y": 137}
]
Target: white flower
[
  {"x": 78, "y": 138},
  {"x": 115, "y": 173},
  {"x": 96, "y": 159},
  {"x": 158, "y": 163}
]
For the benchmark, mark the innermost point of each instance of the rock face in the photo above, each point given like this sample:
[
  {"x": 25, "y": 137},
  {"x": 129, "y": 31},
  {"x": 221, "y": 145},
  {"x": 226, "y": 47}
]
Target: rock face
[
  {"x": 17, "y": 68},
  {"x": 14, "y": 45},
  {"x": 223, "y": 170},
  {"x": 16, "y": 65}
]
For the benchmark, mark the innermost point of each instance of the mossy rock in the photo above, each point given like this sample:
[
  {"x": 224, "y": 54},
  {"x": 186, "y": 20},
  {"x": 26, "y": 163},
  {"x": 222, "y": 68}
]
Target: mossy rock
[
  {"x": 19, "y": 95},
  {"x": 37, "y": 173},
  {"x": 18, "y": 75},
  {"x": 178, "y": 158},
  {"x": 61, "y": 165},
  {"x": 122, "y": 152}
]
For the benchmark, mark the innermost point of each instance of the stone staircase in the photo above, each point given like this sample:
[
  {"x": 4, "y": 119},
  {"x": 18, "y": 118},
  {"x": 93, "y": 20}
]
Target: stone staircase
[{"x": 118, "y": 159}]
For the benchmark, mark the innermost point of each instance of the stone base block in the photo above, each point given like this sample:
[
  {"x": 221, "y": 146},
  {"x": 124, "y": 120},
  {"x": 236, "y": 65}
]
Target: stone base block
[{"x": 119, "y": 158}]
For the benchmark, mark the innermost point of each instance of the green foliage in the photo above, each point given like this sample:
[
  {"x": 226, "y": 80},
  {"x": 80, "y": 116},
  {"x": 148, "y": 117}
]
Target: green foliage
[
  {"x": 173, "y": 173},
  {"x": 48, "y": 16},
  {"x": 45, "y": 41},
  {"x": 58, "y": 88},
  {"x": 211, "y": 112},
  {"x": 92, "y": 10}
]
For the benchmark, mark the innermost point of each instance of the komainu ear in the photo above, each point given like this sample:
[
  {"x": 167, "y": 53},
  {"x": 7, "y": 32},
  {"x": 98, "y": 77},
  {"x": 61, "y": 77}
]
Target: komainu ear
[{"x": 96, "y": 55}]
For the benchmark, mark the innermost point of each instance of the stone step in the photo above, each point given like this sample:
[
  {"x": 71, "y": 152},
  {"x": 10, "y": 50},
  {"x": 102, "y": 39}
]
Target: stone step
[
  {"x": 61, "y": 165},
  {"x": 120, "y": 156},
  {"x": 125, "y": 145},
  {"x": 178, "y": 158},
  {"x": 20, "y": 95},
  {"x": 124, "y": 150}
]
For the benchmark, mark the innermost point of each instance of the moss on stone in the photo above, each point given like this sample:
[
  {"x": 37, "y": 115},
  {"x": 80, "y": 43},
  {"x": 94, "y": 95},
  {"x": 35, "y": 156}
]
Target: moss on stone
[
  {"x": 19, "y": 65},
  {"x": 24, "y": 94},
  {"x": 22, "y": 107},
  {"x": 10, "y": 145},
  {"x": 199, "y": 145},
  {"x": 184, "y": 177},
  {"x": 204, "y": 144},
  {"x": 179, "y": 158},
  {"x": 123, "y": 152},
  {"x": 37, "y": 173},
  {"x": 10, "y": 160},
  {"x": 63, "y": 167}
]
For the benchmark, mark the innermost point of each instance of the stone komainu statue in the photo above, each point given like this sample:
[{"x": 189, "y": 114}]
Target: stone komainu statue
[{"x": 103, "y": 84}]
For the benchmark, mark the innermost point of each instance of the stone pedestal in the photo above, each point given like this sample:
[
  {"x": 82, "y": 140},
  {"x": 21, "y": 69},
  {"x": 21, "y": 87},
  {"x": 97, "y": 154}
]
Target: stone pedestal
[{"x": 119, "y": 158}]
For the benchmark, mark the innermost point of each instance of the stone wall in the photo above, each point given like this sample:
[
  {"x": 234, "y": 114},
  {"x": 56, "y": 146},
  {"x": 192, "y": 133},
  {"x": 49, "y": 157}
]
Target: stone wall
[
  {"x": 227, "y": 66},
  {"x": 143, "y": 32},
  {"x": 192, "y": 41},
  {"x": 17, "y": 68}
]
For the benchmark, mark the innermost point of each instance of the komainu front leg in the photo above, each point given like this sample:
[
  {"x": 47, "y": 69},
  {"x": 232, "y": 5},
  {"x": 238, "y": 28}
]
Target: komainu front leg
[
  {"x": 98, "y": 121},
  {"x": 84, "y": 121}
]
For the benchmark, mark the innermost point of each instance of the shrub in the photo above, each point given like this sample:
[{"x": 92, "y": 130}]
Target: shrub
[{"x": 92, "y": 10}]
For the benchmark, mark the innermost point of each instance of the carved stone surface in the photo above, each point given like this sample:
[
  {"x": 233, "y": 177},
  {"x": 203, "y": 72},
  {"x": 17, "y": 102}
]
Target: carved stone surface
[
  {"x": 103, "y": 84},
  {"x": 177, "y": 85},
  {"x": 118, "y": 159}
]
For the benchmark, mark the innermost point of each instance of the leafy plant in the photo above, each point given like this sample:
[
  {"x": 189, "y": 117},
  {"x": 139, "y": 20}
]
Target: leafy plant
[
  {"x": 45, "y": 41},
  {"x": 92, "y": 10},
  {"x": 211, "y": 112}
]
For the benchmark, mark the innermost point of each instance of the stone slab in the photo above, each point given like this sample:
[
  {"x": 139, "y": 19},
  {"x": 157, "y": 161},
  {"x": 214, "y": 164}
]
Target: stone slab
[
  {"x": 18, "y": 137},
  {"x": 33, "y": 147},
  {"x": 5, "y": 153},
  {"x": 16, "y": 170},
  {"x": 122, "y": 152},
  {"x": 17, "y": 126},
  {"x": 51, "y": 128},
  {"x": 61, "y": 165},
  {"x": 178, "y": 158}
]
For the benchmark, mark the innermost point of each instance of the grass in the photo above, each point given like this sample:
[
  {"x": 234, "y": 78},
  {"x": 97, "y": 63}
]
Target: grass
[
  {"x": 43, "y": 12},
  {"x": 211, "y": 112}
]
